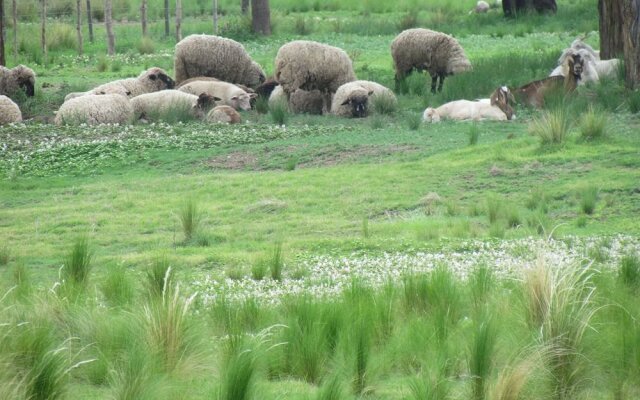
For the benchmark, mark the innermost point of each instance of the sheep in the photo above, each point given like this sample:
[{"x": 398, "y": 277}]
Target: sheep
[
  {"x": 17, "y": 78},
  {"x": 223, "y": 114},
  {"x": 424, "y": 49},
  {"x": 218, "y": 57},
  {"x": 155, "y": 105},
  {"x": 211, "y": 79},
  {"x": 309, "y": 66},
  {"x": 584, "y": 60},
  {"x": 95, "y": 109},
  {"x": 495, "y": 108},
  {"x": 9, "y": 111},
  {"x": 152, "y": 80},
  {"x": 300, "y": 101},
  {"x": 533, "y": 93},
  {"x": 481, "y": 7},
  {"x": 352, "y": 98},
  {"x": 229, "y": 94}
]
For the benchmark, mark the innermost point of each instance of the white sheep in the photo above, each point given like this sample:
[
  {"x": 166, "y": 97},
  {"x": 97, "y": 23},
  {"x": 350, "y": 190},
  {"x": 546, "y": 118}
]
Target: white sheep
[
  {"x": 423, "y": 49},
  {"x": 9, "y": 111},
  {"x": 151, "y": 106},
  {"x": 481, "y": 7},
  {"x": 152, "y": 80},
  {"x": 15, "y": 79},
  {"x": 300, "y": 101},
  {"x": 309, "y": 66},
  {"x": 218, "y": 57},
  {"x": 228, "y": 93},
  {"x": 352, "y": 98},
  {"x": 96, "y": 109},
  {"x": 223, "y": 114},
  {"x": 462, "y": 110}
]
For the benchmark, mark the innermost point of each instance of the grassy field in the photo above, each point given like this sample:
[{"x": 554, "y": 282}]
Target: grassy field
[{"x": 313, "y": 257}]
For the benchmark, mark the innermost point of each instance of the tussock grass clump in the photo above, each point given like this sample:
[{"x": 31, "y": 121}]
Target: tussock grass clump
[
  {"x": 414, "y": 121},
  {"x": 117, "y": 288},
  {"x": 5, "y": 255},
  {"x": 279, "y": 112},
  {"x": 629, "y": 270},
  {"x": 634, "y": 101},
  {"x": 383, "y": 104},
  {"x": 481, "y": 282},
  {"x": 493, "y": 207},
  {"x": 158, "y": 277},
  {"x": 332, "y": 389},
  {"x": 276, "y": 262},
  {"x": 146, "y": 45},
  {"x": 77, "y": 266},
  {"x": 190, "y": 219},
  {"x": 552, "y": 127},
  {"x": 482, "y": 356},
  {"x": 512, "y": 380},
  {"x": 134, "y": 378},
  {"x": 474, "y": 134},
  {"x": 593, "y": 125},
  {"x": 238, "y": 379},
  {"x": 588, "y": 199},
  {"x": 538, "y": 199},
  {"x": 262, "y": 105}
]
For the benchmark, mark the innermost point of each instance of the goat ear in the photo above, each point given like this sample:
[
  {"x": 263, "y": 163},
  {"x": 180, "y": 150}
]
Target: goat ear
[{"x": 346, "y": 102}]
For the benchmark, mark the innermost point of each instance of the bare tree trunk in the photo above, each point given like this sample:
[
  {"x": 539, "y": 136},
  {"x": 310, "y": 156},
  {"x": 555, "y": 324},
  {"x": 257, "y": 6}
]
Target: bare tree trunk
[
  {"x": 2, "y": 60},
  {"x": 178, "y": 20},
  {"x": 215, "y": 17},
  {"x": 79, "y": 26},
  {"x": 244, "y": 6},
  {"x": 90, "y": 21},
  {"x": 111, "y": 40},
  {"x": 260, "y": 17},
  {"x": 166, "y": 18},
  {"x": 15, "y": 31},
  {"x": 143, "y": 17},
  {"x": 43, "y": 30},
  {"x": 631, "y": 37},
  {"x": 611, "y": 43}
]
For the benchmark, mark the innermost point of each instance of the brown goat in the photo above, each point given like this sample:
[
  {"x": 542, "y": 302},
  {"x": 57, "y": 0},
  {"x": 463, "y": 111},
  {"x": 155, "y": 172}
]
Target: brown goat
[
  {"x": 533, "y": 93},
  {"x": 501, "y": 98}
]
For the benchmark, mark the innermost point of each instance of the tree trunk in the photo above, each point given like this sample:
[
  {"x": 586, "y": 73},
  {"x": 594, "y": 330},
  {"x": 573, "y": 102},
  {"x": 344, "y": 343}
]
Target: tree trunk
[
  {"x": 215, "y": 17},
  {"x": 178, "y": 20},
  {"x": 260, "y": 17},
  {"x": 143, "y": 17},
  {"x": 111, "y": 40},
  {"x": 15, "y": 31},
  {"x": 631, "y": 37},
  {"x": 512, "y": 8},
  {"x": 166, "y": 18},
  {"x": 244, "y": 6},
  {"x": 2, "y": 60},
  {"x": 79, "y": 26},
  {"x": 43, "y": 30},
  {"x": 611, "y": 43},
  {"x": 90, "y": 21}
]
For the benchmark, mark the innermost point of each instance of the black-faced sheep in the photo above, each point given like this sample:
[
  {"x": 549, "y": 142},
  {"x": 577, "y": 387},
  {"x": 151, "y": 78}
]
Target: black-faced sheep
[
  {"x": 424, "y": 49},
  {"x": 152, "y": 80},
  {"x": 353, "y": 98},
  {"x": 228, "y": 93},
  {"x": 15, "y": 79},
  {"x": 217, "y": 57},
  {"x": 95, "y": 109},
  {"x": 223, "y": 114},
  {"x": 156, "y": 105},
  {"x": 309, "y": 66},
  {"x": 9, "y": 111}
]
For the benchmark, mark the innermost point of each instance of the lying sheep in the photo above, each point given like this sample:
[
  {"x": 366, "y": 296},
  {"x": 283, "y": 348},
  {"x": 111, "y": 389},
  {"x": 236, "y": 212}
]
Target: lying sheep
[
  {"x": 424, "y": 49},
  {"x": 300, "y": 101},
  {"x": 223, "y": 114},
  {"x": 218, "y": 57},
  {"x": 229, "y": 94},
  {"x": 309, "y": 66},
  {"x": 95, "y": 109},
  {"x": 151, "y": 106},
  {"x": 15, "y": 79},
  {"x": 149, "y": 81},
  {"x": 352, "y": 99},
  {"x": 9, "y": 111},
  {"x": 481, "y": 7},
  {"x": 210, "y": 79}
]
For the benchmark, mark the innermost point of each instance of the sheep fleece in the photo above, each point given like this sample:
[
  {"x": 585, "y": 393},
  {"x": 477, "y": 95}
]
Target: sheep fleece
[
  {"x": 10, "y": 79},
  {"x": 162, "y": 102},
  {"x": 96, "y": 109},
  {"x": 9, "y": 111}
]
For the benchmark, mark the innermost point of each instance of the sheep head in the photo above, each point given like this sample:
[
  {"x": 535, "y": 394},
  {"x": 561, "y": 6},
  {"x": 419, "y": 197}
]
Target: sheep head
[
  {"x": 157, "y": 78},
  {"x": 254, "y": 75},
  {"x": 359, "y": 103},
  {"x": 431, "y": 115},
  {"x": 25, "y": 79}
]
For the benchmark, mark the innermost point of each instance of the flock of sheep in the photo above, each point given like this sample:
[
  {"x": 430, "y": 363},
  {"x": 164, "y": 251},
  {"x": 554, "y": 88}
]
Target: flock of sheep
[{"x": 215, "y": 78}]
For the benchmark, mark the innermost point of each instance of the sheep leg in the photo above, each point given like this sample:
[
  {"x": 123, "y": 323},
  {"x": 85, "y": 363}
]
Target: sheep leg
[
  {"x": 441, "y": 83},
  {"x": 434, "y": 82}
]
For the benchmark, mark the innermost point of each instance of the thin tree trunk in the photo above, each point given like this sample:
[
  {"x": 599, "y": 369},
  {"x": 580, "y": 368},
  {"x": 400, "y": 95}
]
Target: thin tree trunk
[
  {"x": 90, "y": 21},
  {"x": 79, "y": 26},
  {"x": 215, "y": 17},
  {"x": 15, "y": 31},
  {"x": 631, "y": 37},
  {"x": 611, "y": 42},
  {"x": 178, "y": 20},
  {"x": 244, "y": 6},
  {"x": 43, "y": 30},
  {"x": 166, "y": 18},
  {"x": 143, "y": 17},
  {"x": 261, "y": 17},
  {"x": 111, "y": 40},
  {"x": 2, "y": 60}
]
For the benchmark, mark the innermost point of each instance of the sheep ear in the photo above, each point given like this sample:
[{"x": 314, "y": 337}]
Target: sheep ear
[
  {"x": 204, "y": 100},
  {"x": 346, "y": 102}
]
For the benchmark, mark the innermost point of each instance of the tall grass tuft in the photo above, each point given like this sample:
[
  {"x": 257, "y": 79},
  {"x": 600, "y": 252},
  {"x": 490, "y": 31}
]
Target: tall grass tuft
[
  {"x": 117, "y": 287},
  {"x": 414, "y": 121},
  {"x": 629, "y": 271},
  {"x": 331, "y": 390},
  {"x": 238, "y": 378},
  {"x": 262, "y": 105},
  {"x": 552, "y": 127},
  {"x": 159, "y": 278},
  {"x": 589, "y": 199},
  {"x": 146, "y": 45},
  {"x": 276, "y": 262},
  {"x": 134, "y": 377},
  {"x": 634, "y": 101},
  {"x": 190, "y": 219},
  {"x": 494, "y": 205},
  {"x": 482, "y": 355},
  {"x": 511, "y": 381},
  {"x": 5, "y": 254},
  {"x": 474, "y": 134},
  {"x": 365, "y": 228},
  {"x": 77, "y": 266},
  {"x": 279, "y": 112},
  {"x": 593, "y": 125},
  {"x": 362, "y": 348},
  {"x": 481, "y": 282},
  {"x": 383, "y": 104}
]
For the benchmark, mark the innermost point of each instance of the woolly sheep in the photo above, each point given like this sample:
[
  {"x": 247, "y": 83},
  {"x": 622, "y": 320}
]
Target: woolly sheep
[
  {"x": 464, "y": 110},
  {"x": 156, "y": 104},
  {"x": 223, "y": 114},
  {"x": 607, "y": 68},
  {"x": 17, "y": 78},
  {"x": 96, "y": 109},
  {"x": 481, "y": 7},
  {"x": 152, "y": 80},
  {"x": 352, "y": 98},
  {"x": 300, "y": 101},
  {"x": 228, "y": 93},
  {"x": 9, "y": 111},
  {"x": 218, "y": 57},
  {"x": 309, "y": 66},
  {"x": 423, "y": 49}
]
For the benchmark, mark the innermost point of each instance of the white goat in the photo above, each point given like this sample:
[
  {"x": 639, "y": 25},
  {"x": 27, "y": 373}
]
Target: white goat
[
  {"x": 589, "y": 72},
  {"x": 462, "y": 110}
]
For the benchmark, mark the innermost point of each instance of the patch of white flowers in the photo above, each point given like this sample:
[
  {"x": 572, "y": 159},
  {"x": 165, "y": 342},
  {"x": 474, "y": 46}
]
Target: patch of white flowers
[{"x": 328, "y": 276}]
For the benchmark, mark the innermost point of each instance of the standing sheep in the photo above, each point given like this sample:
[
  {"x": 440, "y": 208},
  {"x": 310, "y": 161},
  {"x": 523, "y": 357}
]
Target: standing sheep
[
  {"x": 223, "y": 114},
  {"x": 309, "y": 66},
  {"x": 9, "y": 111},
  {"x": 95, "y": 110},
  {"x": 152, "y": 80},
  {"x": 217, "y": 57},
  {"x": 17, "y": 78},
  {"x": 229, "y": 94},
  {"x": 352, "y": 99},
  {"x": 158, "y": 105},
  {"x": 424, "y": 49},
  {"x": 300, "y": 101}
]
